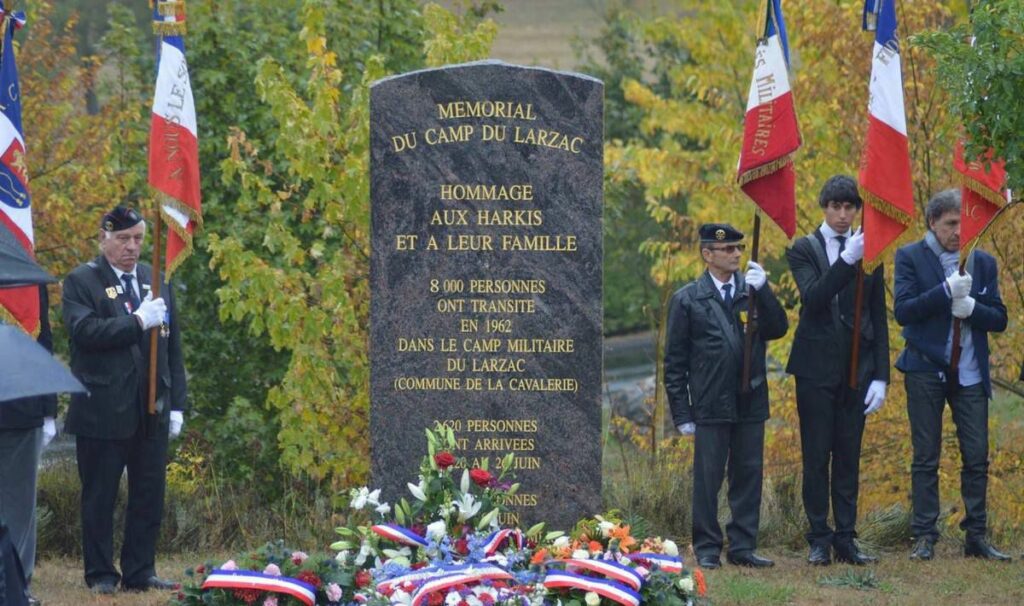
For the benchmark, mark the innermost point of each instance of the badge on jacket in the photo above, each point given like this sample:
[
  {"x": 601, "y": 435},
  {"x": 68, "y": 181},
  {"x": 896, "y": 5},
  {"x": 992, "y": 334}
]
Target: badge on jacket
[{"x": 111, "y": 292}]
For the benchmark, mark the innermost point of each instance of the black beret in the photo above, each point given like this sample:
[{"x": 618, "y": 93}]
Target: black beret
[
  {"x": 121, "y": 217},
  {"x": 719, "y": 232}
]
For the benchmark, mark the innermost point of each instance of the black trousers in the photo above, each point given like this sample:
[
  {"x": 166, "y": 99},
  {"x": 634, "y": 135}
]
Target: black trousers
[
  {"x": 831, "y": 429},
  {"x": 926, "y": 399},
  {"x": 101, "y": 463},
  {"x": 740, "y": 448}
]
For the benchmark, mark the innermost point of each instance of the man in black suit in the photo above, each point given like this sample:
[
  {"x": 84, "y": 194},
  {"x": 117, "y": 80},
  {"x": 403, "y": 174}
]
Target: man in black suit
[
  {"x": 26, "y": 426},
  {"x": 703, "y": 374},
  {"x": 825, "y": 265},
  {"x": 109, "y": 313},
  {"x": 929, "y": 293}
]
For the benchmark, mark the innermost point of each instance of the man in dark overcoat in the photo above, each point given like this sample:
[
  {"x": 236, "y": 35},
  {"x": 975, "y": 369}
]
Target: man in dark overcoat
[
  {"x": 929, "y": 293},
  {"x": 110, "y": 314},
  {"x": 703, "y": 376},
  {"x": 825, "y": 265}
]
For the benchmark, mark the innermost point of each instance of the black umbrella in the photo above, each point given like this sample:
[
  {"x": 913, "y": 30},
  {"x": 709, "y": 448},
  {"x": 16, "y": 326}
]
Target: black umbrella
[
  {"x": 16, "y": 266},
  {"x": 27, "y": 369}
]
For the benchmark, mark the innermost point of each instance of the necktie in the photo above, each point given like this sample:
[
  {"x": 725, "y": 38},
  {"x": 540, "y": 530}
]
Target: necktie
[
  {"x": 842, "y": 243},
  {"x": 727, "y": 296},
  {"x": 127, "y": 279}
]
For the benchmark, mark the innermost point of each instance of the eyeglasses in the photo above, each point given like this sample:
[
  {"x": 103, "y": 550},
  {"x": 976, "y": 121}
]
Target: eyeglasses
[{"x": 729, "y": 248}]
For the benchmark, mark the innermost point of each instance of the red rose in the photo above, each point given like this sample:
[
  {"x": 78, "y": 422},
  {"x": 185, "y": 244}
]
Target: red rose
[
  {"x": 462, "y": 546},
  {"x": 363, "y": 578},
  {"x": 310, "y": 578},
  {"x": 481, "y": 477},
  {"x": 436, "y": 599},
  {"x": 444, "y": 459}
]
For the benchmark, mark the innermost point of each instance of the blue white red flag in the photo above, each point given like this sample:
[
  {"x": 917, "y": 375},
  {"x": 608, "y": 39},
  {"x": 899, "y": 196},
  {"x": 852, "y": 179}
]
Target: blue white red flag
[
  {"x": 885, "y": 176},
  {"x": 770, "y": 132},
  {"x": 17, "y": 305},
  {"x": 173, "y": 139}
]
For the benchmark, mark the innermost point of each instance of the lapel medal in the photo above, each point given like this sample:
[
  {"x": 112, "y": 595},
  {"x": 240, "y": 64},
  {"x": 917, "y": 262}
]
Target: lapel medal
[
  {"x": 119, "y": 289},
  {"x": 165, "y": 331},
  {"x": 111, "y": 293},
  {"x": 743, "y": 317}
]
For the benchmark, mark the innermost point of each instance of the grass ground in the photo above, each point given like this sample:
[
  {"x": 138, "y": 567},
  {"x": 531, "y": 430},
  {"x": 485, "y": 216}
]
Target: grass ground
[{"x": 948, "y": 579}]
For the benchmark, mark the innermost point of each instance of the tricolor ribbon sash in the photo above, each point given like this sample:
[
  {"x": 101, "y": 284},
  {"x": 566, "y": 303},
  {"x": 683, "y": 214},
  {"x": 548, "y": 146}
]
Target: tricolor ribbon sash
[
  {"x": 478, "y": 572},
  {"x": 664, "y": 562},
  {"x": 399, "y": 534},
  {"x": 498, "y": 537},
  {"x": 467, "y": 577},
  {"x": 616, "y": 592},
  {"x": 247, "y": 579},
  {"x": 610, "y": 570}
]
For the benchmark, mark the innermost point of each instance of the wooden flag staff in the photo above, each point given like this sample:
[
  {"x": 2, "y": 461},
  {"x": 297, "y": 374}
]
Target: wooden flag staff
[{"x": 748, "y": 337}]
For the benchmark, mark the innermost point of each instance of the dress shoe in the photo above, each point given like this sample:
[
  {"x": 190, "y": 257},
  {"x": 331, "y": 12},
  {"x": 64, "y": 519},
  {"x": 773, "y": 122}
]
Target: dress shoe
[
  {"x": 153, "y": 582},
  {"x": 709, "y": 562},
  {"x": 103, "y": 588},
  {"x": 981, "y": 548},
  {"x": 924, "y": 549},
  {"x": 847, "y": 552},
  {"x": 750, "y": 560},
  {"x": 819, "y": 556},
  {"x": 34, "y": 601}
]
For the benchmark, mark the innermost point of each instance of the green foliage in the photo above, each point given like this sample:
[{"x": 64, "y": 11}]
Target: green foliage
[
  {"x": 986, "y": 79},
  {"x": 751, "y": 591},
  {"x": 294, "y": 265},
  {"x": 863, "y": 580}
]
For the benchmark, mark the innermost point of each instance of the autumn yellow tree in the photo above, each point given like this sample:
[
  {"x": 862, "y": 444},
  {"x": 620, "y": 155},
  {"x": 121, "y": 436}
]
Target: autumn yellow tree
[{"x": 685, "y": 158}]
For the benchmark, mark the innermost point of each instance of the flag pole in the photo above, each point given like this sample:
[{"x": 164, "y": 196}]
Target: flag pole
[
  {"x": 748, "y": 337},
  {"x": 954, "y": 354},
  {"x": 154, "y": 335},
  {"x": 855, "y": 340}
]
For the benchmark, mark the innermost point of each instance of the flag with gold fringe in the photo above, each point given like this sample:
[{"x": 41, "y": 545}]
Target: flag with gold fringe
[
  {"x": 885, "y": 174},
  {"x": 770, "y": 132},
  {"x": 173, "y": 139},
  {"x": 983, "y": 193}
]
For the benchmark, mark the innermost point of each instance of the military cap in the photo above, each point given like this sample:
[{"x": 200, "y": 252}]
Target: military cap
[
  {"x": 121, "y": 217},
  {"x": 719, "y": 232}
]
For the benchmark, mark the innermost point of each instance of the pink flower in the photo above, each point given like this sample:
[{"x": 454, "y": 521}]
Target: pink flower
[
  {"x": 274, "y": 571},
  {"x": 271, "y": 599},
  {"x": 298, "y": 557},
  {"x": 333, "y": 592},
  {"x": 229, "y": 565}
]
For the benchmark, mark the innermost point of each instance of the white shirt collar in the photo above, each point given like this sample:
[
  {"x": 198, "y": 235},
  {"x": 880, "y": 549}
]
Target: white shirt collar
[
  {"x": 120, "y": 274},
  {"x": 830, "y": 233},
  {"x": 719, "y": 284}
]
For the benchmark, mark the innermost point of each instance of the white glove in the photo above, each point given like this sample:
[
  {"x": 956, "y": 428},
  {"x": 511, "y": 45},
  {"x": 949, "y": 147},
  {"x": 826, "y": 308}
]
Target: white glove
[
  {"x": 152, "y": 311},
  {"x": 49, "y": 430},
  {"x": 875, "y": 397},
  {"x": 687, "y": 429},
  {"x": 177, "y": 420},
  {"x": 959, "y": 286},
  {"x": 755, "y": 275},
  {"x": 963, "y": 308},
  {"x": 854, "y": 250}
]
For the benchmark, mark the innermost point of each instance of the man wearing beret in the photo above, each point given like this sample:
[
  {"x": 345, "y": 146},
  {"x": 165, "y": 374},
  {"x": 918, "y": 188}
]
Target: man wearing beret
[
  {"x": 825, "y": 265},
  {"x": 929, "y": 293},
  {"x": 110, "y": 314},
  {"x": 703, "y": 376}
]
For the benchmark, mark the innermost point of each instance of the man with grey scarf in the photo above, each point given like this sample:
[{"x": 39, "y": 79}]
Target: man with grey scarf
[{"x": 929, "y": 293}]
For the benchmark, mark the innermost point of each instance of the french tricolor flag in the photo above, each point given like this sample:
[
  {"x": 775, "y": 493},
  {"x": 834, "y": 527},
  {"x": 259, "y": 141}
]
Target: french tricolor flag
[
  {"x": 885, "y": 177},
  {"x": 18, "y": 305},
  {"x": 770, "y": 132},
  {"x": 173, "y": 141}
]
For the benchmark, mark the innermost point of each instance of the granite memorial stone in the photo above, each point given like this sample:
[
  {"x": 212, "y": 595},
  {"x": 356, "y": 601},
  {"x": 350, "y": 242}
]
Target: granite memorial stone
[{"x": 486, "y": 316}]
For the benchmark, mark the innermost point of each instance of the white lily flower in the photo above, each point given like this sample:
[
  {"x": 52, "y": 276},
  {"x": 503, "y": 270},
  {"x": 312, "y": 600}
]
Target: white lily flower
[
  {"x": 374, "y": 497},
  {"x": 606, "y": 528},
  {"x": 359, "y": 496},
  {"x": 467, "y": 506},
  {"x": 561, "y": 542},
  {"x": 383, "y": 509},
  {"x": 581, "y": 554},
  {"x": 417, "y": 491},
  {"x": 464, "y": 484},
  {"x": 365, "y": 551}
]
